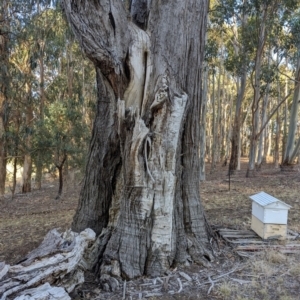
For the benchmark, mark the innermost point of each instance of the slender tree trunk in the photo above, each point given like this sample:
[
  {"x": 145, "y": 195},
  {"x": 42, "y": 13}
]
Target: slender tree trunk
[
  {"x": 39, "y": 160},
  {"x": 228, "y": 132},
  {"x": 256, "y": 87},
  {"x": 236, "y": 130},
  {"x": 261, "y": 153},
  {"x": 4, "y": 83},
  {"x": 218, "y": 117},
  {"x": 214, "y": 125},
  {"x": 14, "y": 177},
  {"x": 291, "y": 150},
  {"x": 141, "y": 188},
  {"x": 27, "y": 166},
  {"x": 277, "y": 141},
  {"x": 235, "y": 156},
  {"x": 16, "y": 151},
  {"x": 60, "y": 166},
  {"x": 203, "y": 123},
  {"x": 284, "y": 136}
]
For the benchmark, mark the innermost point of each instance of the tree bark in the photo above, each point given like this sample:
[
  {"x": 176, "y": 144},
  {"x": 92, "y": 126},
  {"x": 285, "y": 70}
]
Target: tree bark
[
  {"x": 59, "y": 165},
  {"x": 203, "y": 122},
  {"x": 236, "y": 130},
  {"x": 61, "y": 259},
  {"x": 214, "y": 125},
  {"x": 234, "y": 163},
  {"x": 39, "y": 159},
  {"x": 27, "y": 166},
  {"x": 292, "y": 149},
  {"x": 141, "y": 188},
  {"x": 4, "y": 83}
]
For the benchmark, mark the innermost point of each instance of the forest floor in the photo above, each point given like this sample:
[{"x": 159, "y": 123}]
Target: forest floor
[{"x": 269, "y": 274}]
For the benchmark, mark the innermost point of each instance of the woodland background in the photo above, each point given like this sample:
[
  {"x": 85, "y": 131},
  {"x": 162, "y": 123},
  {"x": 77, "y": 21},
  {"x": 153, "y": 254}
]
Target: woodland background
[
  {"x": 249, "y": 124},
  {"x": 47, "y": 90}
]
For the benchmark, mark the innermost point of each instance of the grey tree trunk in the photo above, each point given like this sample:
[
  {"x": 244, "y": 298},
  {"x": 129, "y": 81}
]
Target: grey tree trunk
[
  {"x": 236, "y": 130},
  {"x": 235, "y": 156},
  {"x": 39, "y": 159},
  {"x": 27, "y": 166},
  {"x": 261, "y": 146},
  {"x": 264, "y": 17},
  {"x": 261, "y": 156},
  {"x": 214, "y": 125},
  {"x": 4, "y": 83},
  {"x": 285, "y": 122},
  {"x": 292, "y": 149},
  {"x": 141, "y": 188},
  {"x": 203, "y": 122}
]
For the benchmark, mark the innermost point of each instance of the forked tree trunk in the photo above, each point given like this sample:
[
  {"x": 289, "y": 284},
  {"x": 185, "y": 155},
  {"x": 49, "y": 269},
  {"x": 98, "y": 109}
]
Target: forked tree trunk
[{"x": 141, "y": 188}]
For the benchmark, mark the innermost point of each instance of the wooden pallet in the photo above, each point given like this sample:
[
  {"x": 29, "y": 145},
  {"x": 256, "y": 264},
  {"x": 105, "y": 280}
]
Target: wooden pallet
[{"x": 247, "y": 242}]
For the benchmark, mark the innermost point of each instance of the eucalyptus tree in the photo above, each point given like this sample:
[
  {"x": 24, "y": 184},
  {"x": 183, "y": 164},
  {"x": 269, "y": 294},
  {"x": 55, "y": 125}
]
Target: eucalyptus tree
[
  {"x": 293, "y": 147},
  {"x": 267, "y": 16},
  {"x": 263, "y": 15},
  {"x": 233, "y": 16},
  {"x": 67, "y": 131},
  {"x": 141, "y": 188},
  {"x": 49, "y": 30},
  {"x": 4, "y": 85},
  {"x": 10, "y": 10},
  {"x": 23, "y": 105}
]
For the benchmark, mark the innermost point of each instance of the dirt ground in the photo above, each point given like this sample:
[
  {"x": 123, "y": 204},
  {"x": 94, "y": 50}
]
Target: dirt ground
[{"x": 26, "y": 219}]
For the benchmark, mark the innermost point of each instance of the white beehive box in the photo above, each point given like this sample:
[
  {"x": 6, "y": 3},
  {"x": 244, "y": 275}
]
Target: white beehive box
[{"x": 269, "y": 216}]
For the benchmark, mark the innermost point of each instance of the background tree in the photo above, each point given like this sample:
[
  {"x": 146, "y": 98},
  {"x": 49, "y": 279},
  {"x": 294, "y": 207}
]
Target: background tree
[
  {"x": 4, "y": 87},
  {"x": 292, "y": 148}
]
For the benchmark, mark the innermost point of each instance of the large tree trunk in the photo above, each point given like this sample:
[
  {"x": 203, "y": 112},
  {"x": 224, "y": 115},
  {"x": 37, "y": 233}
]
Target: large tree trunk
[{"x": 141, "y": 189}]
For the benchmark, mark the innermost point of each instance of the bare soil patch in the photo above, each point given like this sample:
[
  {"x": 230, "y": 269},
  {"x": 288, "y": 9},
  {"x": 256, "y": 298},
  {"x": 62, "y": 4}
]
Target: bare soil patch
[{"x": 26, "y": 219}]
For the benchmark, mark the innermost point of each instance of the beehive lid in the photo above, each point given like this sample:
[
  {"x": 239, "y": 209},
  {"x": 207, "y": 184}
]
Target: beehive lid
[{"x": 267, "y": 200}]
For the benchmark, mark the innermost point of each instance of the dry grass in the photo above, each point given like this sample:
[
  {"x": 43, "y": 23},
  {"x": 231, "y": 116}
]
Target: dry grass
[
  {"x": 272, "y": 275},
  {"x": 25, "y": 220},
  {"x": 270, "y": 279}
]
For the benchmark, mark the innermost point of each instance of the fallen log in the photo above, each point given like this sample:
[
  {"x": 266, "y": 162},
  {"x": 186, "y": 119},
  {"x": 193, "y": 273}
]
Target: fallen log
[
  {"x": 44, "y": 292},
  {"x": 60, "y": 260}
]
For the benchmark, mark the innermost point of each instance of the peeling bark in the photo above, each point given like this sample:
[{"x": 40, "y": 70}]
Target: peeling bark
[
  {"x": 141, "y": 188},
  {"x": 60, "y": 259}
]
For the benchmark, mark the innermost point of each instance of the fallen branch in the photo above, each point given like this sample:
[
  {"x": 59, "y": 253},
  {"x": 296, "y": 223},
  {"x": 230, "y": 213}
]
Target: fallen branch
[
  {"x": 180, "y": 285},
  {"x": 212, "y": 285},
  {"x": 60, "y": 259},
  {"x": 45, "y": 291}
]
